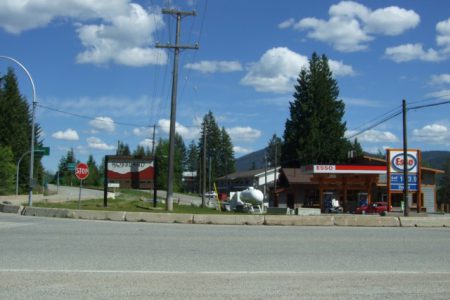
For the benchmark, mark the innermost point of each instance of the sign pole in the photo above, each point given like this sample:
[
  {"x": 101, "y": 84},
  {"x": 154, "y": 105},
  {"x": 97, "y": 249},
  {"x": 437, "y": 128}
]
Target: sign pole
[
  {"x": 79, "y": 194},
  {"x": 81, "y": 172},
  {"x": 405, "y": 161}
]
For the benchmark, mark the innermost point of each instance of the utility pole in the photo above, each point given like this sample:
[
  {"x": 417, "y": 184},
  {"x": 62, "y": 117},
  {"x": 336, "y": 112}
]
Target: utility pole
[
  {"x": 153, "y": 141},
  {"x": 204, "y": 166},
  {"x": 173, "y": 107},
  {"x": 405, "y": 162}
]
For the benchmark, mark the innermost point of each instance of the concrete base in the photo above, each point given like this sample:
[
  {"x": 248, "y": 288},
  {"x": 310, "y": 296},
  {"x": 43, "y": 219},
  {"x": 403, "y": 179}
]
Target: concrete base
[{"x": 307, "y": 211}]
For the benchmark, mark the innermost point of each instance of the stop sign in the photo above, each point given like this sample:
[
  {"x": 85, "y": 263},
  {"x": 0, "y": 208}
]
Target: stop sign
[{"x": 82, "y": 171}]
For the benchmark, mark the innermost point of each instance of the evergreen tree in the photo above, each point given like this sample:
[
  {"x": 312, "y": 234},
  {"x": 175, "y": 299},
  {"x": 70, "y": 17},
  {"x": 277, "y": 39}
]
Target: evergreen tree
[
  {"x": 192, "y": 157},
  {"x": 314, "y": 133},
  {"x": 273, "y": 150},
  {"x": 162, "y": 154},
  {"x": 219, "y": 149},
  {"x": 122, "y": 149},
  {"x": 94, "y": 175},
  {"x": 15, "y": 127},
  {"x": 226, "y": 152},
  {"x": 7, "y": 168},
  {"x": 139, "y": 152},
  {"x": 66, "y": 176},
  {"x": 162, "y": 164}
]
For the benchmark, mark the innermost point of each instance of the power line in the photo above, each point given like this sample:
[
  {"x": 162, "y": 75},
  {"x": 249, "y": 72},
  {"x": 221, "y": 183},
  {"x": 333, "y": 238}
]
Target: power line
[{"x": 93, "y": 118}]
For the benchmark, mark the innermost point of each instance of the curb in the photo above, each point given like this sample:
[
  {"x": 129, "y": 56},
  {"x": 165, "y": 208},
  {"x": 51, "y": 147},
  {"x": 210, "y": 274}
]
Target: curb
[{"x": 271, "y": 220}]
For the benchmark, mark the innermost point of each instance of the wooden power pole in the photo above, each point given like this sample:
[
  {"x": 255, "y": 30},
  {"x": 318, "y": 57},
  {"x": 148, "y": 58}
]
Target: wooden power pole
[{"x": 173, "y": 107}]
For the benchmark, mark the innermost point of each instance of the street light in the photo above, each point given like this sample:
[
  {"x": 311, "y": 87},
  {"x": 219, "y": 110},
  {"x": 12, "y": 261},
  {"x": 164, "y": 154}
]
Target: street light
[{"x": 31, "y": 181}]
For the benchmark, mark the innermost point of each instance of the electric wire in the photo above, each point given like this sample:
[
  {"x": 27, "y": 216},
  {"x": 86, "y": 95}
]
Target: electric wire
[{"x": 81, "y": 116}]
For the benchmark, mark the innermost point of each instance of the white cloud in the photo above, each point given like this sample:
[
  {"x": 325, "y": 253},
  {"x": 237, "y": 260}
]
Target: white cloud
[
  {"x": 434, "y": 134},
  {"x": 115, "y": 106},
  {"x": 143, "y": 131},
  {"x": 214, "y": 66},
  {"x": 69, "y": 135},
  {"x": 443, "y": 95},
  {"x": 374, "y": 136},
  {"x": 103, "y": 124},
  {"x": 408, "y": 52},
  {"x": 278, "y": 69},
  {"x": 246, "y": 134},
  {"x": 352, "y": 26},
  {"x": 391, "y": 20},
  {"x": 286, "y": 24},
  {"x": 440, "y": 79},
  {"x": 111, "y": 31},
  {"x": 124, "y": 39},
  {"x": 187, "y": 133},
  {"x": 96, "y": 143},
  {"x": 147, "y": 143},
  {"x": 240, "y": 150},
  {"x": 443, "y": 35},
  {"x": 340, "y": 69}
]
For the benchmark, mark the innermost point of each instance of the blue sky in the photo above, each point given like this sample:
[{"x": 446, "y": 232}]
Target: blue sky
[{"x": 99, "y": 78}]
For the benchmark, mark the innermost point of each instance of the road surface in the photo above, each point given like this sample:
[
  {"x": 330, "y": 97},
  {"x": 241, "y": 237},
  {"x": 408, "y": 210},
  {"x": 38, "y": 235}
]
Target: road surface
[{"x": 79, "y": 259}]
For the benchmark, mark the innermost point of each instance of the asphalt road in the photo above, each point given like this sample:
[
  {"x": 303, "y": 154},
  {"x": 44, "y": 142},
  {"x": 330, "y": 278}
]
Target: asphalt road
[{"x": 74, "y": 259}]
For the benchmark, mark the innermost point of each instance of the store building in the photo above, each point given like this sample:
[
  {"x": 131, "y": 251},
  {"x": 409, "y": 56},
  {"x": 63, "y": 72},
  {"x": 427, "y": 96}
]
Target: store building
[{"x": 362, "y": 181}]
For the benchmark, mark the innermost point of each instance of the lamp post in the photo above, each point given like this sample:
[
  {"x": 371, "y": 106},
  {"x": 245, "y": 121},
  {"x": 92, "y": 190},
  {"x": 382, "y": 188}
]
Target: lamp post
[{"x": 31, "y": 181}]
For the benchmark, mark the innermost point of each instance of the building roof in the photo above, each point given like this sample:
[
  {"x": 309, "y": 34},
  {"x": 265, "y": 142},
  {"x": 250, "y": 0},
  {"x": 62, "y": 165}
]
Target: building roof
[
  {"x": 296, "y": 175},
  {"x": 245, "y": 174}
]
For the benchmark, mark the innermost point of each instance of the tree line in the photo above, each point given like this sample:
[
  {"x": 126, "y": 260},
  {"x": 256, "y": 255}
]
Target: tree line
[{"x": 214, "y": 141}]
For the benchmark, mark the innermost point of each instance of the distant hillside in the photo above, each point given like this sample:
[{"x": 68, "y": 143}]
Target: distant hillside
[
  {"x": 251, "y": 161},
  {"x": 255, "y": 160},
  {"x": 435, "y": 159}
]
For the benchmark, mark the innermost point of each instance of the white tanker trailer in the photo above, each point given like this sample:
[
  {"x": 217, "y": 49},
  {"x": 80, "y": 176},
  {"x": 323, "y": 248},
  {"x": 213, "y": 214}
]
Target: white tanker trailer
[{"x": 250, "y": 199}]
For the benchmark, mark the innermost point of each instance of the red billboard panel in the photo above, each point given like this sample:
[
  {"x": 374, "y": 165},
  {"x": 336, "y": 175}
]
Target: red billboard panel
[{"x": 131, "y": 172}]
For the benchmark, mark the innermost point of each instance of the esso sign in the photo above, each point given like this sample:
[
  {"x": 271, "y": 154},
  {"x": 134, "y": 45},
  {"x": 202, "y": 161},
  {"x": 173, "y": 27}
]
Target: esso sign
[
  {"x": 397, "y": 162},
  {"x": 81, "y": 171}
]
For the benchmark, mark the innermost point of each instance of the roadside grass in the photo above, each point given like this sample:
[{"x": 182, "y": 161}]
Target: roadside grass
[{"x": 132, "y": 201}]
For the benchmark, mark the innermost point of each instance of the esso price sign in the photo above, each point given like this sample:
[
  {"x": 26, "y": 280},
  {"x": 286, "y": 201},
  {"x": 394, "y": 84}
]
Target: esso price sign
[
  {"x": 398, "y": 162},
  {"x": 82, "y": 171}
]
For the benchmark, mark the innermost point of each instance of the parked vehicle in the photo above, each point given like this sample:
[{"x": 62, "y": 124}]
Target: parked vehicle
[
  {"x": 374, "y": 208},
  {"x": 211, "y": 194}
]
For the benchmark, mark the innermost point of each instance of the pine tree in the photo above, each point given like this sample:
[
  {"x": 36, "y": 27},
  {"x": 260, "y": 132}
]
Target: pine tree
[
  {"x": 273, "y": 150},
  {"x": 139, "y": 152},
  {"x": 15, "y": 127},
  {"x": 7, "y": 168},
  {"x": 192, "y": 157},
  {"x": 93, "y": 178},
  {"x": 226, "y": 152},
  {"x": 219, "y": 149},
  {"x": 66, "y": 176},
  {"x": 122, "y": 149},
  {"x": 314, "y": 133},
  {"x": 162, "y": 154}
]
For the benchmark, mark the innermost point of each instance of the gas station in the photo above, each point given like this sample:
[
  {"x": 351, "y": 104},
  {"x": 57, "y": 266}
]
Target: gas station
[{"x": 363, "y": 180}]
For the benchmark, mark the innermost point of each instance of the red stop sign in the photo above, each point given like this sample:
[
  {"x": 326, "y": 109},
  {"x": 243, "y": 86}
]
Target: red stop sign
[{"x": 82, "y": 171}]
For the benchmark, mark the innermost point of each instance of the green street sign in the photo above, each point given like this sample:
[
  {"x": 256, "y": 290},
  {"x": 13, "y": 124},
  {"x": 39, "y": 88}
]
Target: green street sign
[
  {"x": 42, "y": 150},
  {"x": 71, "y": 166}
]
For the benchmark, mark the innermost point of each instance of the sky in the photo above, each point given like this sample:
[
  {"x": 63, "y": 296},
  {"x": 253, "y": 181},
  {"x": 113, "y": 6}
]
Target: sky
[{"x": 100, "y": 79}]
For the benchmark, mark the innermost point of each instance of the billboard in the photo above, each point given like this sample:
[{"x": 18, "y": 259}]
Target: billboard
[{"x": 130, "y": 172}]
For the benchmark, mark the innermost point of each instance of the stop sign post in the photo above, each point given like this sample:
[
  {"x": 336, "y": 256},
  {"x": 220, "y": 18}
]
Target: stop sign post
[{"x": 81, "y": 172}]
